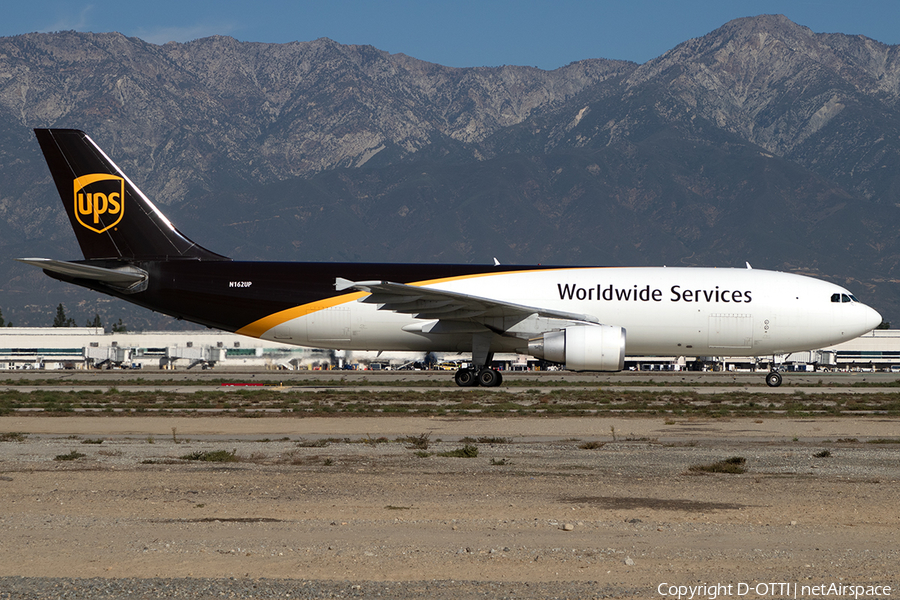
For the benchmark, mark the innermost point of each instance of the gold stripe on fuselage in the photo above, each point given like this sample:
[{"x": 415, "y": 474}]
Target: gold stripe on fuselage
[{"x": 261, "y": 326}]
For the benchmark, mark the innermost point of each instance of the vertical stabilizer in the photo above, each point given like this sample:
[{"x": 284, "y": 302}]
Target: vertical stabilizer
[{"x": 111, "y": 217}]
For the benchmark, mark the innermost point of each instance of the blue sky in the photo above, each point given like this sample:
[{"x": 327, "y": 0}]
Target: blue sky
[{"x": 462, "y": 33}]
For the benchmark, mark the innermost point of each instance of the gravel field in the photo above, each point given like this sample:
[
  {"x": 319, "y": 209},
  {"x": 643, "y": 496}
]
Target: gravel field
[
  {"x": 197, "y": 589},
  {"x": 569, "y": 507}
]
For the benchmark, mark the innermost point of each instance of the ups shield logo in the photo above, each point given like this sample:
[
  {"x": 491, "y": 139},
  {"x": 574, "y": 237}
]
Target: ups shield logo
[{"x": 99, "y": 201}]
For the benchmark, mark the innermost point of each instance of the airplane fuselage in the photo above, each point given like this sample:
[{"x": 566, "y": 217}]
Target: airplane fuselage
[{"x": 665, "y": 311}]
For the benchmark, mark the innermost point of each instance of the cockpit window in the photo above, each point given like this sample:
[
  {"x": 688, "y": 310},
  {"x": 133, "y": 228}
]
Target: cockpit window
[
  {"x": 835, "y": 297},
  {"x": 843, "y": 298}
]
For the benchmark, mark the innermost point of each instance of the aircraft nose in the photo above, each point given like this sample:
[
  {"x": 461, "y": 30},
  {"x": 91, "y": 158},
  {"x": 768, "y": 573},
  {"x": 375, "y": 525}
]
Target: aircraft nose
[{"x": 873, "y": 318}]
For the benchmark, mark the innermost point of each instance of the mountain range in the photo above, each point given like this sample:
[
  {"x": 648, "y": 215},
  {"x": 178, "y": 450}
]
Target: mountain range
[{"x": 761, "y": 142}]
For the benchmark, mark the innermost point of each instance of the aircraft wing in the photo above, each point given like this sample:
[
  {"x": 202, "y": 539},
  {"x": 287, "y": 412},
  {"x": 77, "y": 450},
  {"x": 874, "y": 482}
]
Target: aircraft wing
[{"x": 430, "y": 303}]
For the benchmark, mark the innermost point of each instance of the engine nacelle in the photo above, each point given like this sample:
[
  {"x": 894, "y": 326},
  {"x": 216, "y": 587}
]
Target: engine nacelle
[{"x": 582, "y": 347}]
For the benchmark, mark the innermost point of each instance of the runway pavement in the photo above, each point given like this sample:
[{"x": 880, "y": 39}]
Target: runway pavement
[{"x": 394, "y": 381}]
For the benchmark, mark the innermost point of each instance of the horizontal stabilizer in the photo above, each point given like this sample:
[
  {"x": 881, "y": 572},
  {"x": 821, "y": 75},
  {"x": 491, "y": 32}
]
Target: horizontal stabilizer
[{"x": 126, "y": 278}]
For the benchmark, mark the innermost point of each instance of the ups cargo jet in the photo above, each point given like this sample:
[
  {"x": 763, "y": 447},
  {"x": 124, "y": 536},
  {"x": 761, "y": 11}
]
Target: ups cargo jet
[{"x": 584, "y": 318}]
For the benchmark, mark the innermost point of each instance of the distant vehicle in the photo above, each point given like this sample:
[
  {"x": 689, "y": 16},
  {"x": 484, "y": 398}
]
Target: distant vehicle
[{"x": 583, "y": 318}]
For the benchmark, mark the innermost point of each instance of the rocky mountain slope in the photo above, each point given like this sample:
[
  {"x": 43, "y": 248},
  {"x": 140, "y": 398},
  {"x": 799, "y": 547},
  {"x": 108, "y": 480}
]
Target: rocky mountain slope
[{"x": 761, "y": 141}]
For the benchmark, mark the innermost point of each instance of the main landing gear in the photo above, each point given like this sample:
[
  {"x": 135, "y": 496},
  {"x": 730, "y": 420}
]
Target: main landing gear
[
  {"x": 485, "y": 377},
  {"x": 482, "y": 356}
]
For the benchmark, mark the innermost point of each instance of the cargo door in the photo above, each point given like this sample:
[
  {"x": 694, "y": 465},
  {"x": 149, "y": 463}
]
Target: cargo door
[
  {"x": 329, "y": 325},
  {"x": 730, "y": 331}
]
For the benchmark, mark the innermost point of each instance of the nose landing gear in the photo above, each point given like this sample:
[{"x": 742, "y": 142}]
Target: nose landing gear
[{"x": 773, "y": 379}]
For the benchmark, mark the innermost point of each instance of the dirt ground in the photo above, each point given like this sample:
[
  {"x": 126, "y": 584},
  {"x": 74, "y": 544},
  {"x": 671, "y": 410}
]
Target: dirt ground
[{"x": 349, "y": 499}]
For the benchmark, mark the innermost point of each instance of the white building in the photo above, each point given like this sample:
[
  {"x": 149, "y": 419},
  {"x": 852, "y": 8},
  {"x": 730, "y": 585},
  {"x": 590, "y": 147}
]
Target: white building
[
  {"x": 87, "y": 347},
  {"x": 878, "y": 349}
]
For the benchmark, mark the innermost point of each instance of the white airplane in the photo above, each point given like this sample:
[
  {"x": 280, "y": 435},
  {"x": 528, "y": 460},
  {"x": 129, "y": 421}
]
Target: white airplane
[{"x": 584, "y": 318}]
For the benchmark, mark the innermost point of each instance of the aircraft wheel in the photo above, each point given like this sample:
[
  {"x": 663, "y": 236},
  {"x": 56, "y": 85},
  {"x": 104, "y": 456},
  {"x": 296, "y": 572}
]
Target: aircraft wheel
[
  {"x": 488, "y": 377},
  {"x": 773, "y": 379},
  {"x": 466, "y": 378}
]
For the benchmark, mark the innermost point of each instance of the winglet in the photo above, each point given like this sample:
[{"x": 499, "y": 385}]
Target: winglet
[{"x": 341, "y": 284}]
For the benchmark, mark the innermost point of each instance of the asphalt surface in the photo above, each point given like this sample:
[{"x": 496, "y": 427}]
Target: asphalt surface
[{"x": 217, "y": 379}]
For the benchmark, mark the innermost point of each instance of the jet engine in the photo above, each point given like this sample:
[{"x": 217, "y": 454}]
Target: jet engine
[{"x": 582, "y": 347}]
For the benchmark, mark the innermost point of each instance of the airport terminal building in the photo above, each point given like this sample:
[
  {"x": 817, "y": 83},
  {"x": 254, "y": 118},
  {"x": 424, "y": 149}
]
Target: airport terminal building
[
  {"x": 93, "y": 348},
  {"x": 88, "y": 347}
]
